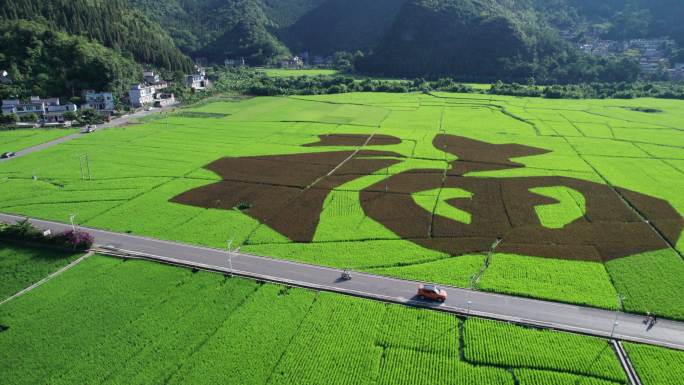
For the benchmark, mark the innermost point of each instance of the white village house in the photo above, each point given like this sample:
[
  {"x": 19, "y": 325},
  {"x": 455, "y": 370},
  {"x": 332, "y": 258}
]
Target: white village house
[
  {"x": 198, "y": 80},
  {"x": 102, "y": 102},
  {"x": 141, "y": 95},
  {"x": 148, "y": 93},
  {"x": 47, "y": 110},
  {"x": 233, "y": 63}
]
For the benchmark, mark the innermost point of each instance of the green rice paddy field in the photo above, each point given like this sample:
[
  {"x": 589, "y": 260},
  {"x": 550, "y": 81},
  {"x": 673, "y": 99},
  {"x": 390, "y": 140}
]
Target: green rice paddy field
[
  {"x": 20, "y": 267},
  {"x": 134, "y": 322},
  {"x": 15, "y": 140},
  {"x": 601, "y": 182}
]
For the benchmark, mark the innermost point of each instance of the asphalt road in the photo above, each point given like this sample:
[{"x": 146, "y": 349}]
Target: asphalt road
[
  {"x": 118, "y": 122},
  {"x": 559, "y": 316}
]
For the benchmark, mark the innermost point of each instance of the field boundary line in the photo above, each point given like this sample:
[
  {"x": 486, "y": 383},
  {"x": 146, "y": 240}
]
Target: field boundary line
[
  {"x": 49, "y": 277},
  {"x": 623, "y": 357}
]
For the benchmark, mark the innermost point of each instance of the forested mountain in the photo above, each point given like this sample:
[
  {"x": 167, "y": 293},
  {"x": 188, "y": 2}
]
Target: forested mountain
[
  {"x": 469, "y": 39},
  {"x": 621, "y": 19},
  {"x": 45, "y": 62},
  {"x": 341, "y": 25},
  {"x": 220, "y": 29},
  {"x": 484, "y": 41},
  {"x": 478, "y": 39},
  {"x": 112, "y": 23}
]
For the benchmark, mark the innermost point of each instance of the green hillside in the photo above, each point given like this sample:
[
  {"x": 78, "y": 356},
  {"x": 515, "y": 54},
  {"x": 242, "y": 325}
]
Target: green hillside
[
  {"x": 482, "y": 40},
  {"x": 633, "y": 18},
  {"x": 112, "y": 23},
  {"x": 342, "y": 25},
  {"x": 218, "y": 29},
  {"x": 45, "y": 62}
]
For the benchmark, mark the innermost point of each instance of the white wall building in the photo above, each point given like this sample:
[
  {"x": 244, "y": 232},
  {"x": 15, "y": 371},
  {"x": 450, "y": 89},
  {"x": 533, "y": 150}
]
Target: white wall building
[
  {"x": 102, "y": 102},
  {"x": 141, "y": 95},
  {"x": 49, "y": 110}
]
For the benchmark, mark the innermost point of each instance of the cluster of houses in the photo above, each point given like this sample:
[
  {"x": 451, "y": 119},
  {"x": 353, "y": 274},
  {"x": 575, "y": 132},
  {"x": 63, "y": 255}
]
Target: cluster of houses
[
  {"x": 300, "y": 61},
  {"x": 51, "y": 111},
  {"x": 652, "y": 54},
  {"x": 150, "y": 92},
  {"x": 304, "y": 59}
]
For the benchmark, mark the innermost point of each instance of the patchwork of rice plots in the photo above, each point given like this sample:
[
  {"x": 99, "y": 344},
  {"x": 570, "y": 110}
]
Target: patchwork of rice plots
[
  {"x": 135, "y": 322},
  {"x": 566, "y": 200},
  {"x": 16, "y": 140},
  {"x": 20, "y": 267},
  {"x": 656, "y": 366}
]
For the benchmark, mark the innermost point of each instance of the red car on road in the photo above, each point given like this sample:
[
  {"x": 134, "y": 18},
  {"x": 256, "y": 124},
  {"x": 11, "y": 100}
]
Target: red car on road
[{"x": 432, "y": 293}]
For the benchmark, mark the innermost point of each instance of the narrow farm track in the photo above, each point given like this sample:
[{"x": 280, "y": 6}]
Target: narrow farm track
[{"x": 578, "y": 319}]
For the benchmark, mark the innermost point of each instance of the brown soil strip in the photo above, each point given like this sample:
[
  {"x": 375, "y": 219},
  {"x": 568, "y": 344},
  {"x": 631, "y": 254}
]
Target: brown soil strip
[
  {"x": 354, "y": 140},
  {"x": 276, "y": 188},
  {"x": 287, "y": 193},
  {"x": 504, "y": 208}
]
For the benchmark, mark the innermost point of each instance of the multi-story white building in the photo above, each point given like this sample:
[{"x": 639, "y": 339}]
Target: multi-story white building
[
  {"x": 198, "y": 80},
  {"x": 141, "y": 95},
  {"x": 102, "y": 102},
  {"x": 48, "y": 110}
]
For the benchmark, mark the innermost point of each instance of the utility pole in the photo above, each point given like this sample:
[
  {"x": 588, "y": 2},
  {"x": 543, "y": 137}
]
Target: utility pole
[
  {"x": 468, "y": 311},
  {"x": 230, "y": 256},
  {"x": 615, "y": 325},
  {"x": 620, "y": 298},
  {"x": 71, "y": 219},
  {"x": 84, "y": 162}
]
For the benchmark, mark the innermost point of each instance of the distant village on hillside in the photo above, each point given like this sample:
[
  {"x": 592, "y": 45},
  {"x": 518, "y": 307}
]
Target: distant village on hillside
[{"x": 653, "y": 55}]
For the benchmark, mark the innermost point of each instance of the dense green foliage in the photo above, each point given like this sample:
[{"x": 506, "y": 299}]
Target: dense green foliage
[
  {"x": 218, "y": 30},
  {"x": 138, "y": 322},
  {"x": 112, "y": 23},
  {"x": 22, "y": 266},
  {"x": 24, "y": 232},
  {"x": 593, "y": 90},
  {"x": 45, "y": 62},
  {"x": 341, "y": 25},
  {"x": 483, "y": 41},
  {"x": 625, "y": 19},
  {"x": 315, "y": 82}
]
